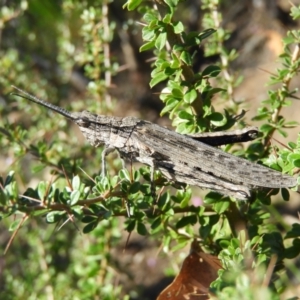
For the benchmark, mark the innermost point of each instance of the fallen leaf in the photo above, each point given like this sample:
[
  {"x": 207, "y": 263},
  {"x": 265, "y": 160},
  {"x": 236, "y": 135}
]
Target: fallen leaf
[{"x": 198, "y": 271}]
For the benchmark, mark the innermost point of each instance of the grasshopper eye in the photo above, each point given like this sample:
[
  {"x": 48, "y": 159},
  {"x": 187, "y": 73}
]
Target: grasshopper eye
[{"x": 83, "y": 122}]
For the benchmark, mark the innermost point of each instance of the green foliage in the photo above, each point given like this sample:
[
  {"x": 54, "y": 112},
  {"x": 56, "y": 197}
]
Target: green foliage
[{"x": 67, "y": 196}]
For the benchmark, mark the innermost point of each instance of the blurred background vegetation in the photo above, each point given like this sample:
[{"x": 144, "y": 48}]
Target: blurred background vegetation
[{"x": 85, "y": 55}]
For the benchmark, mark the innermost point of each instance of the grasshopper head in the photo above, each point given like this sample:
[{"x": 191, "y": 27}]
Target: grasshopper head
[{"x": 93, "y": 127}]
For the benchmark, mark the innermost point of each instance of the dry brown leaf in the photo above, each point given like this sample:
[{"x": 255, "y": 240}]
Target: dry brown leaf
[{"x": 198, "y": 270}]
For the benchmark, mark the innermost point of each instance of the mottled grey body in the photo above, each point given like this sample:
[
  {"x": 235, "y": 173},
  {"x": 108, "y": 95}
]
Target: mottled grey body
[{"x": 180, "y": 158}]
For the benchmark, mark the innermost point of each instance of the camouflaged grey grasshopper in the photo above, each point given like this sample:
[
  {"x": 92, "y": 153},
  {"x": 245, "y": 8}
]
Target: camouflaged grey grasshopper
[{"x": 181, "y": 158}]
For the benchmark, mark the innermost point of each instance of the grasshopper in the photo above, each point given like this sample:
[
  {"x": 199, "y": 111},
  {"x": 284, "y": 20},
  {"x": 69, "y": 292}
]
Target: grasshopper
[{"x": 181, "y": 158}]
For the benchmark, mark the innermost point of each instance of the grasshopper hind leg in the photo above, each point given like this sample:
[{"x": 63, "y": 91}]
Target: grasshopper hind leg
[{"x": 105, "y": 152}]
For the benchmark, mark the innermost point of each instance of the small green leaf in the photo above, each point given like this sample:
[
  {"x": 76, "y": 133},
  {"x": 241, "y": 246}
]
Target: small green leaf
[
  {"x": 160, "y": 76},
  {"x": 294, "y": 158},
  {"x": 149, "y": 16},
  {"x": 188, "y": 220},
  {"x": 261, "y": 116},
  {"x": 133, "y": 4},
  {"x": 74, "y": 197},
  {"x": 9, "y": 178},
  {"x": 291, "y": 124},
  {"x": 293, "y": 251},
  {"x": 206, "y": 33},
  {"x": 175, "y": 63},
  {"x": 221, "y": 206},
  {"x": 130, "y": 225},
  {"x": 14, "y": 225},
  {"x": 54, "y": 216},
  {"x": 294, "y": 232},
  {"x": 90, "y": 227},
  {"x": 292, "y": 145},
  {"x": 161, "y": 40},
  {"x": 113, "y": 181},
  {"x": 184, "y": 127},
  {"x": 170, "y": 105},
  {"x": 167, "y": 18},
  {"x": 156, "y": 223},
  {"x": 124, "y": 174},
  {"x": 285, "y": 194},
  {"x": 148, "y": 34},
  {"x": 141, "y": 228},
  {"x": 88, "y": 219},
  {"x": 217, "y": 119},
  {"x": 169, "y": 71},
  {"x": 186, "y": 200},
  {"x": 172, "y": 3},
  {"x": 295, "y": 12},
  {"x": 147, "y": 46},
  {"x": 206, "y": 229},
  {"x": 212, "y": 197},
  {"x": 185, "y": 115},
  {"x": 282, "y": 132},
  {"x": 177, "y": 93},
  {"x": 190, "y": 96},
  {"x": 181, "y": 244},
  {"x": 178, "y": 27},
  {"x": 186, "y": 58},
  {"x": 169, "y": 213},
  {"x": 266, "y": 128},
  {"x": 163, "y": 200},
  {"x": 134, "y": 188},
  {"x": 224, "y": 244},
  {"x": 42, "y": 188},
  {"x": 296, "y": 163},
  {"x": 76, "y": 182},
  {"x": 211, "y": 71}
]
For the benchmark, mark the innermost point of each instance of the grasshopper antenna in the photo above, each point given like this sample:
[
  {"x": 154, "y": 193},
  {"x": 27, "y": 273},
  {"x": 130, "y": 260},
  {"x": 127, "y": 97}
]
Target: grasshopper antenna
[{"x": 34, "y": 99}]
